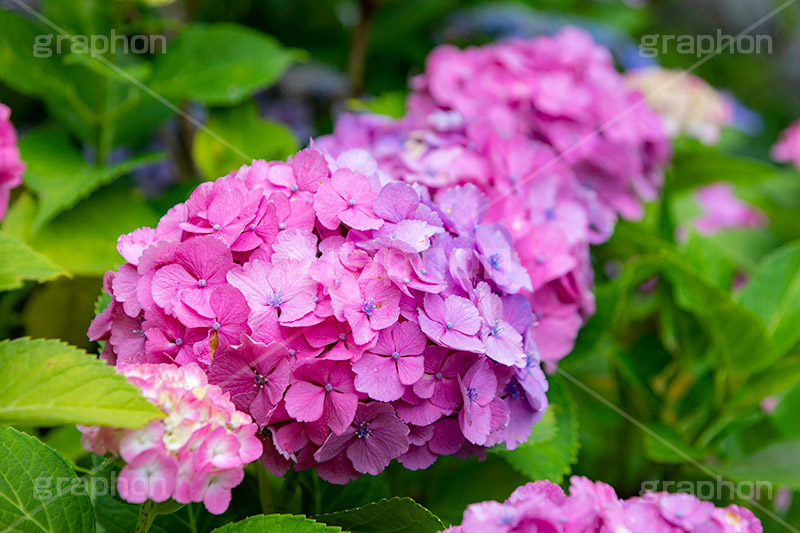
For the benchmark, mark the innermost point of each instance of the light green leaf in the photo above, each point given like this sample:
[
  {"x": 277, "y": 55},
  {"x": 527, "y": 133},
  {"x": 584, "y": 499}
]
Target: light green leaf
[
  {"x": 59, "y": 175},
  {"x": 553, "y": 458},
  {"x": 277, "y": 523},
  {"x": 18, "y": 262},
  {"x": 38, "y": 489},
  {"x": 219, "y": 64},
  {"x": 49, "y": 383},
  {"x": 778, "y": 464},
  {"x": 773, "y": 292},
  {"x": 84, "y": 239},
  {"x": 391, "y": 104},
  {"x": 236, "y": 137},
  {"x": 399, "y": 515},
  {"x": 784, "y": 417},
  {"x": 668, "y": 446}
]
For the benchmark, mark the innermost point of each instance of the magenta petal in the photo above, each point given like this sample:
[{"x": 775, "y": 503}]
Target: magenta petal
[
  {"x": 305, "y": 401},
  {"x": 377, "y": 376}
]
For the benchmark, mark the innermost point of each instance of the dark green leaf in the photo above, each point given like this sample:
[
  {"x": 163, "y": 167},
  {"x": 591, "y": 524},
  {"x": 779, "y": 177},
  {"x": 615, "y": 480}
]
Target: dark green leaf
[
  {"x": 47, "y": 382},
  {"x": 39, "y": 490},
  {"x": 400, "y": 515}
]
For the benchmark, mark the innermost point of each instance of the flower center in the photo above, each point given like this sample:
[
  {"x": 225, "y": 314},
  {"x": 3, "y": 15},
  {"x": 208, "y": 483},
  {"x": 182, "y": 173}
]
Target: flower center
[
  {"x": 328, "y": 387},
  {"x": 494, "y": 261},
  {"x": 514, "y": 390},
  {"x": 368, "y": 306},
  {"x": 550, "y": 213},
  {"x": 342, "y": 336},
  {"x": 216, "y": 326},
  {"x": 259, "y": 380},
  {"x": 448, "y": 325},
  {"x": 201, "y": 283},
  {"x": 295, "y": 188},
  {"x": 351, "y": 203},
  {"x": 276, "y": 299},
  {"x": 216, "y": 227},
  {"x": 252, "y": 227},
  {"x": 281, "y": 226},
  {"x": 363, "y": 430},
  {"x": 497, "y": 329},
  {"x": 472, "y": 394},
  {"x": 179, "y": 341},
  {"x": 395, "y": 355}
]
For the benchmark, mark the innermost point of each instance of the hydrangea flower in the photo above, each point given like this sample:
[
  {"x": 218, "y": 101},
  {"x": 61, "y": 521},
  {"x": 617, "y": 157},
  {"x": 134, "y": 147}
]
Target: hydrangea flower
[
  {"x": 721, "y": 209},
  {"x": 787, "y": 149},
  {"x": 541, "y": 137},
  {"x": 688, "y": 104},
  {"x": 355, "y": 318},
  {"x": 196, "y": 454},
  {"x": 595, "y": 508},
  {"x": 11, "y": 167}
]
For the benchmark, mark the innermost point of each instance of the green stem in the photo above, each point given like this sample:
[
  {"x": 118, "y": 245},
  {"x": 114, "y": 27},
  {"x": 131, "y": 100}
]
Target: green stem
[
  {"x": 146, "y": 517},
  {"x": 264, "y": 491}
]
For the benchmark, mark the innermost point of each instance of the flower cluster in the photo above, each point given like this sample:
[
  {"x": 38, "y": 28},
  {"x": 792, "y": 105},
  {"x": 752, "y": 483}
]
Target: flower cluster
[
  {"x": 688, "y": 104},
  {"x": 595, "y": 507},
  {"x": 548, "y": 130},
  {"x": 357, "y": 319},
  {"x": 11, "y": 167},
  {"x": 787, "y": 150},
  {"x": 197, "y": 453},
  {"x": 721, "y": 209}
]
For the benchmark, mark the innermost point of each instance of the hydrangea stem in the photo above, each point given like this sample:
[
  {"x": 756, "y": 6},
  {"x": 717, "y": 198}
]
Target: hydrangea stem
[{"x": 146, "y": 516}]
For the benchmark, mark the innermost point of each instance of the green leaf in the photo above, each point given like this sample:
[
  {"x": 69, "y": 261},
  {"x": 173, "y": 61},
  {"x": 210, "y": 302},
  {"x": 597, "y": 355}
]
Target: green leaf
[
  {"x": 778, "y": 464},
  {"x": 392, "y": 104},
  {"x": 49, "y": 383},
  {"x": 699, "y": 165},
  {"x": 39, "y": 490},
  {"x": 219, "y": 64},
  {"x": 740, "y": 341},
  {"x": 783, "y": 375},
  {"x": 400, "y": 515},
  {"x": 18, "y": 262},
  {"x": 84, "y": 239},
  {"x": 277, "y": 523},
  {"x": 22, "y": 66},
  {"x": 773, "y": 292},
  {"x": 236, "y": 136},
  {"x": 784, "y": 416},
  {"x": 553, "y": 458},
  {"x": 59, "y": 175},
  {"x": 668, "y": 446}
]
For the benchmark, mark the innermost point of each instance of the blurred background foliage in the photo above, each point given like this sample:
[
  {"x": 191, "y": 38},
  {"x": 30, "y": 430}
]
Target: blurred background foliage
[{"x": 675, "y": 342}]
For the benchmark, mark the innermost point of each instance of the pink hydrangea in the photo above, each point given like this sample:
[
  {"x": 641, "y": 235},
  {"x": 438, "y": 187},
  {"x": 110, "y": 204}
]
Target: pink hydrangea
[
  {"x": 787, "y": 150},
  {"x": 11, "y": 167},
  {"x": 595, "y": 508},
  {"x": 542, "y": 136},
  {"x": 721, "y": 209},
  {"x": 355, "y": 318},
  {"x": 197, "y": 453}
]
